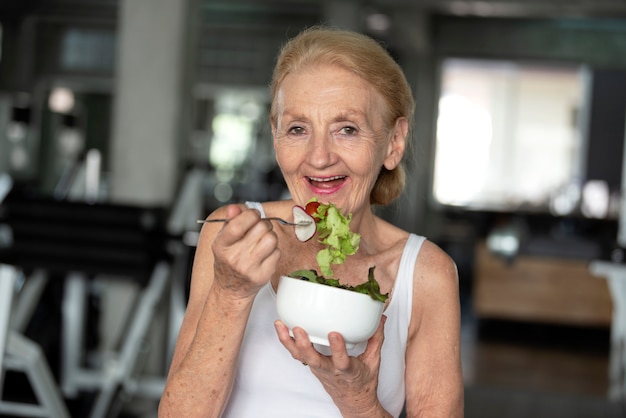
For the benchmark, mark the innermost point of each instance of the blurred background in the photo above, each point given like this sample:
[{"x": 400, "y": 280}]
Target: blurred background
[{"x": 124, "y": 121}]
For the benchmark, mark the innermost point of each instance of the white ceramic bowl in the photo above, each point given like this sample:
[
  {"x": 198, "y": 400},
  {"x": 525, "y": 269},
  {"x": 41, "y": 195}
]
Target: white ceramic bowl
[{"x": 320, "y": 309}]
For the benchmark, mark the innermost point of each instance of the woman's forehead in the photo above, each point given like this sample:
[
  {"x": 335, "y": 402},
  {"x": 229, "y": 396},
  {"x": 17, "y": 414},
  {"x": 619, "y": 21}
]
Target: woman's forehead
[{"x": 328, "y": 86}]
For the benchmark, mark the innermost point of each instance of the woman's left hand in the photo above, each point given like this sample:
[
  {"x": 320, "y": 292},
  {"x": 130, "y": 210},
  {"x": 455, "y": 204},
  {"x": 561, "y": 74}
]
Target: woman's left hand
[{"x": 351, "y": 381}]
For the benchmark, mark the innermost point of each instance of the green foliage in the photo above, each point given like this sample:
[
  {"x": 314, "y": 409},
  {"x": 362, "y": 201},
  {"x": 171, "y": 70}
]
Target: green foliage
[{"x": 333, "y": 230}]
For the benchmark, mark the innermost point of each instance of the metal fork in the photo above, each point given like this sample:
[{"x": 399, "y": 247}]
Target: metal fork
[{"x": 279, "y": 220}]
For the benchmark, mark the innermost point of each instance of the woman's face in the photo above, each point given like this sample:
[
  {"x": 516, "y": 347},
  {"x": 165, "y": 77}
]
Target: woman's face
[{"x": 330, "y": 137}]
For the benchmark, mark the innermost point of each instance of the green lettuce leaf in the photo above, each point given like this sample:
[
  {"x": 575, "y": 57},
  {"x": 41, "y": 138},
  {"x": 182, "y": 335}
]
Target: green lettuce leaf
[{"x": 333, "y": 230}]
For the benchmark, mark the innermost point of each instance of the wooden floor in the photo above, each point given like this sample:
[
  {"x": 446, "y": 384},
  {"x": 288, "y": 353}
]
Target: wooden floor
[{"x": 514, "y": 369}]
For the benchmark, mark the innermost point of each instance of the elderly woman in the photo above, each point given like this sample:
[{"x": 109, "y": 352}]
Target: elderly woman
[{"x": 341, "y": 114}]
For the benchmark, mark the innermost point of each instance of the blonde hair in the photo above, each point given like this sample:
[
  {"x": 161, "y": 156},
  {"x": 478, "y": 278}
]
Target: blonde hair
[{"x": 367, "y": 59}]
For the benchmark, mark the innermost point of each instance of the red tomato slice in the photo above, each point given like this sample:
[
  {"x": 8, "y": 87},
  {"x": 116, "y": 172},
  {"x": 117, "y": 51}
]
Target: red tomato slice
[{"x": 311, "y": 207}]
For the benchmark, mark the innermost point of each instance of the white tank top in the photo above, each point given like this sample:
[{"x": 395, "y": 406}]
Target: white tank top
[{"x": 270, "y": 383}]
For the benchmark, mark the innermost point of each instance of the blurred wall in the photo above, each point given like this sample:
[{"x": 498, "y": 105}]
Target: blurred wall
[
  {"x": 152, "y": 91},
  {"x": 161, "y": 55}
]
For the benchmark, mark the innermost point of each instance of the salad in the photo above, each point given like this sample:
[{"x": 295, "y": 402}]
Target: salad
[{"x": 333, "y": 230}]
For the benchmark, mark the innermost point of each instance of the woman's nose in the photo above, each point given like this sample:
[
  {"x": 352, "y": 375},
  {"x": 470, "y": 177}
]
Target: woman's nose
[{"x": 321, "y": 151}]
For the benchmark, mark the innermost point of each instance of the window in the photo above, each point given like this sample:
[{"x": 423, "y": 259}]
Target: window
[
  {"x": 88, "y": 50},
  {"x": 509, "y": 135}
]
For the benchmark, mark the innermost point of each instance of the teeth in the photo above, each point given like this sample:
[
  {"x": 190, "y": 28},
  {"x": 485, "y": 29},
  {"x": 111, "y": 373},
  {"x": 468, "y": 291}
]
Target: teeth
[{"x": 326, "y": 179}]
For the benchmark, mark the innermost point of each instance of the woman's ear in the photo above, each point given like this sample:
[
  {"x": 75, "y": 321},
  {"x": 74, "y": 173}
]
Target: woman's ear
[{"x": 397, "y": 144}]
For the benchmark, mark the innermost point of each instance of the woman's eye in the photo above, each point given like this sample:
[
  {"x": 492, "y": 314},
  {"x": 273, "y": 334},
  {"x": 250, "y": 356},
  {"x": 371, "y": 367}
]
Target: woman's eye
[
  {"x": 296, "y": 130},
  {"x": 348, "y": 130}
]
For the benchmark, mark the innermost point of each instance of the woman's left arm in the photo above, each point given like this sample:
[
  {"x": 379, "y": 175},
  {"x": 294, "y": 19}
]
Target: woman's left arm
[{"x": 434, "y": 377}]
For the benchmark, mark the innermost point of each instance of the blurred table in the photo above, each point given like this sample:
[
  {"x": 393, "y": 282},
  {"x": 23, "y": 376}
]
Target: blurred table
[
  {"x": 615, "y": 274},
  {"x": 539, "y": 289}
]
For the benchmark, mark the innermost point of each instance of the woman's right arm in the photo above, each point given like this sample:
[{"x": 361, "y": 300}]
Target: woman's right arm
[{"x": 233, "y": 261}]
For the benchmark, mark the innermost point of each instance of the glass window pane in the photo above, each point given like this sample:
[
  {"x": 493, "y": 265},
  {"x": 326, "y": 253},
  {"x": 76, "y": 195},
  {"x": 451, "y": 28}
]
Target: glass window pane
[{"x": 509, "y": 134}]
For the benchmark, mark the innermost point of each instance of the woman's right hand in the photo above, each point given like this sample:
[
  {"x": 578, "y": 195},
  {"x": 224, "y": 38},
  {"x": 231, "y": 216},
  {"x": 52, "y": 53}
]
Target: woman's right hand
[
  {"x": 246, "y": 253},
  {"x": 232, "y": 262}
]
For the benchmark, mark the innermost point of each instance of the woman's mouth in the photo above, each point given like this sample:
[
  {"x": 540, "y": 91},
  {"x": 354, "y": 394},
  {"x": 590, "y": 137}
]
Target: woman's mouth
[{"x": 327, "y": 184}]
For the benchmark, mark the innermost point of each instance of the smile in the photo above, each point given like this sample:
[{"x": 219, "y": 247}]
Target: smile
[
  {"x": 321, "y": 180},
  {"x": 326, "y": 185}
]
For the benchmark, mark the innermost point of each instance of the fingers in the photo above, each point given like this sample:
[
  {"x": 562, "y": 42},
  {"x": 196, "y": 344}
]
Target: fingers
[
  {"x": 299, "y": 346},
  {"x": 283, "y": 332},
  {"x": 296, "y": 344},
  {"x": 371, "y": 355},
  {"x": 232, "y": 211},
  {"x": 240, "y": 223},
  {"x": 245, "y": 250},
  {"x": 301, "y": 349},
  {"x": 246, "y": 228},
  {"x": 340, "y": 358},
  {"x": 264, "y": 239}
]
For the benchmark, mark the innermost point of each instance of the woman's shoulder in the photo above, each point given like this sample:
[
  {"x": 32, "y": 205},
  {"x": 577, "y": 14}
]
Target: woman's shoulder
[
  {"x": 435, "y": 286},
  {"x": 435, "y": 276},
  {"x": 434, "y": 262}
]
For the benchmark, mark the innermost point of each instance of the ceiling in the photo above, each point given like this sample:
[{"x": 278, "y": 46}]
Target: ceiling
[
  {"x": 484, "y": 8},
  {"x": 517, "y": 8}
]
